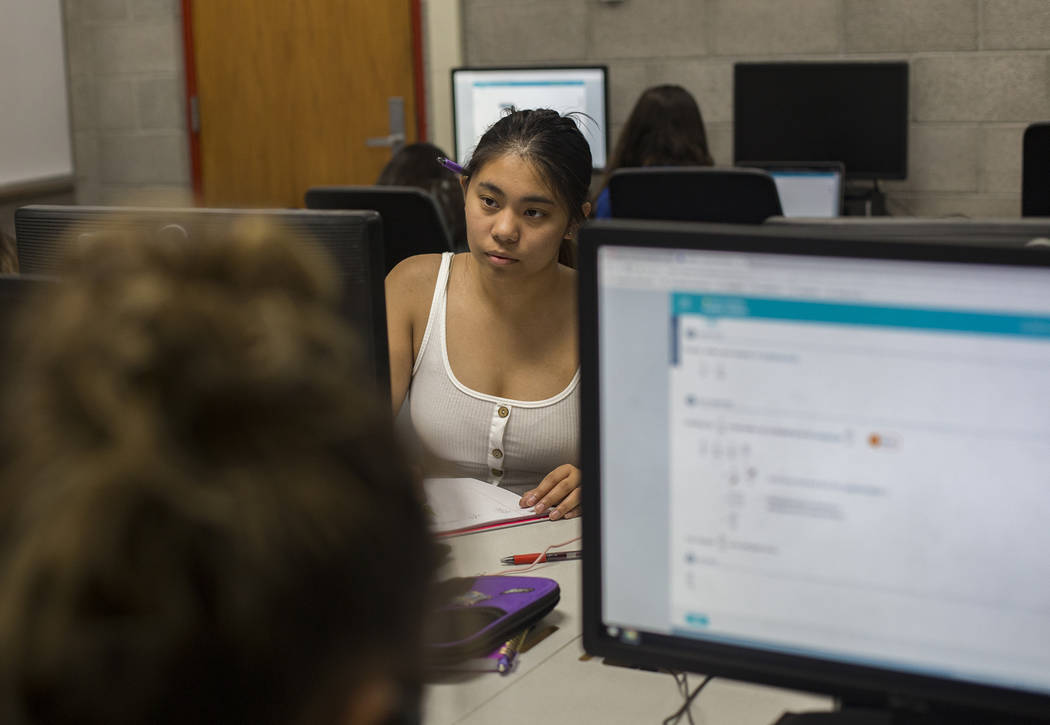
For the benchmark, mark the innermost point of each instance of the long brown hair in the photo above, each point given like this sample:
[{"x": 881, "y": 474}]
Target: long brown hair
[{"x": 665, "y": 128}]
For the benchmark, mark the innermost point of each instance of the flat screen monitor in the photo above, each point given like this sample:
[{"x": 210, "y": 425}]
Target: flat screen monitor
[
  {"x": 818, "y": 464},
  {"x": 855, "y": 113},
  {"x": 806, "y": 189},
  {"x": 352, "y": 240},
  {"x": 1035, "y": 170},
  {"x": 480, "y": 97}
]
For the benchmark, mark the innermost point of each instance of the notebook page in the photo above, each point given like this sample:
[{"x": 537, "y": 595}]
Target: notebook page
[{"x": 466, "y": 503}]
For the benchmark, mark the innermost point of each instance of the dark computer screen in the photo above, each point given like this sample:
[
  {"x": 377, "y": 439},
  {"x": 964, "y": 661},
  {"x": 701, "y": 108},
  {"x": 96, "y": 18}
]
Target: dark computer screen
[
  {"x": 351, "y": 239},
  {"x": 856, "y": 113},
  {"x": 1035, "y": 170},
  {"x": 818, "y": 463}
]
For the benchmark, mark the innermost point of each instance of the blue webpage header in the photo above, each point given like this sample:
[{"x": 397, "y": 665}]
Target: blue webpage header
[{"x": 915, "y": 318}]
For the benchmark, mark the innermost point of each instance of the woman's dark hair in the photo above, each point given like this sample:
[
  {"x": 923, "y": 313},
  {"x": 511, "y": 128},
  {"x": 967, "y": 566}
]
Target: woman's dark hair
[
  {"x": 554, "y": 144},
  {"x": 665, "y": 128},
  {"x": 416, "y": 165}
]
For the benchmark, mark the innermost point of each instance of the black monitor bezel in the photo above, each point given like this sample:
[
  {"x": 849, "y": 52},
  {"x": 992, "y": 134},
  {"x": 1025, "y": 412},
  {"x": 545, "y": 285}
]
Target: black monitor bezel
[
  {"x": 846, "y": 681},
  {"x": 901, "y": 99},
  {"x": 70, "y": 215},
  {"x": 573, "y": 66}
]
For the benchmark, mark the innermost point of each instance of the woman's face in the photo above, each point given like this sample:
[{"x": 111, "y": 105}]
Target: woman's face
[{"x": 515, "y": 224}]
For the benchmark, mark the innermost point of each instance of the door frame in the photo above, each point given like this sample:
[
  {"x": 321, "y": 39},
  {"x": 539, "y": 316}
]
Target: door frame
[{"x": 193, "y": 124}]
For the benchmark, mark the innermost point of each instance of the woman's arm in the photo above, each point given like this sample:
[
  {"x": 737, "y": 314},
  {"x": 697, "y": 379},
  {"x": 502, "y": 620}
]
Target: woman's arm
[{"x": 409, "y": 290}]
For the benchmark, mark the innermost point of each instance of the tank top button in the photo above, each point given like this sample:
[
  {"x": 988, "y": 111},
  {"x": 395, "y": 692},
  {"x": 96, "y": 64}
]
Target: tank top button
[
  {"x": 496, "y": 472},
  {"x": 497, "y": 453},
  {"x": 503, "y": 411}
]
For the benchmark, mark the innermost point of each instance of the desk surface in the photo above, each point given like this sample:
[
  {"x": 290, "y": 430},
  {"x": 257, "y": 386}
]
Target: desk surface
[{"x": 555, "y": 683}]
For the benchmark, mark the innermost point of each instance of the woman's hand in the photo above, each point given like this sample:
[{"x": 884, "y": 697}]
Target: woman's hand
[{"x": 558, "y": 492}]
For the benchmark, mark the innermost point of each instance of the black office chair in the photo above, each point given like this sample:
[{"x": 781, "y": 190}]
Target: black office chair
[
  {"x": 694, "y": 193},
  {"x": 1035, "y": 170},
  {"x": 412, "y": 221}
]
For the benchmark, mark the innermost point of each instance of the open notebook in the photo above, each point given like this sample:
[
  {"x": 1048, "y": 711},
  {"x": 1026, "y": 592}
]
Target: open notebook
[{"x": 465, "y": 505}]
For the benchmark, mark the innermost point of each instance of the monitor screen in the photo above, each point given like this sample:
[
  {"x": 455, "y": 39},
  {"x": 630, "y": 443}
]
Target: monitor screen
[
  {"x": 352, "y": 239},
  {"x": 807, "y": 190},
  {"x": 856, "y": 113},
  {"x": 1035, "y": 170},
  {"x": 480, "y": 96},
  {"x": 818, "y": 464}
]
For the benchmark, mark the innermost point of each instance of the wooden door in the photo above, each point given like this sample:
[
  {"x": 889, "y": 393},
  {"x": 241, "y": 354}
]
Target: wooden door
[{"x": 289, "y": 90}]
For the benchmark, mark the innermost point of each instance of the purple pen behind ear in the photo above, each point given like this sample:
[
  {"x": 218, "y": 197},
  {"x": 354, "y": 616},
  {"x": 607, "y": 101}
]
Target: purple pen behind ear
[{"x": 450, "y": 165}]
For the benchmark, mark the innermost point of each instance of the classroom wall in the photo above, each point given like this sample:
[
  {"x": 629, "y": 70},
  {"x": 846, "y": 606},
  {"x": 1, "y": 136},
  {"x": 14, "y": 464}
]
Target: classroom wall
[
  {"x": 980, "y": 70},
  {"x": 126, "y": 78},
  {"x": 980, "y": 73}
]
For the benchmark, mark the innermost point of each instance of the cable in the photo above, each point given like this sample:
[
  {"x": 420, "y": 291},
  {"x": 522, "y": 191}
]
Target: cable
[
  {"x": 682, "y": 681},
  {"x": 684, "y": 709},
  {"x": 539, "y": 559}
]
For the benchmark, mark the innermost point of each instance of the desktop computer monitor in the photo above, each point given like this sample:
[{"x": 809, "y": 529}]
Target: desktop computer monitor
[
  {"x": 855, "y": 113},
  {"x": 1035, "y": 170},
  {"x": 806, "y": 189},
  {"x": 480, "y": 97},
  {"x": 352, "y": 240},
  {"x": 818, "y": 464}
]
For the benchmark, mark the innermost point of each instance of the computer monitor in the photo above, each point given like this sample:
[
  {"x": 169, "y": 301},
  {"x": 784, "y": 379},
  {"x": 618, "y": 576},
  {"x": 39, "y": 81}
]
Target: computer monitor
[
  {"x": 855, "y": 113},
  {"x": 480, "y": 97},
  {"x": 817, "y": 464},
  {"x": 352, "y": 239},
  {"x": 1035, "y": 170},
  {"x": 806, "y": 189}
]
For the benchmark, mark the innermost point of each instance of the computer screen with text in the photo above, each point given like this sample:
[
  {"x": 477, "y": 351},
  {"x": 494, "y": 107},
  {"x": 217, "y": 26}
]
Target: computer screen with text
[{"x": 834, "y": 459}]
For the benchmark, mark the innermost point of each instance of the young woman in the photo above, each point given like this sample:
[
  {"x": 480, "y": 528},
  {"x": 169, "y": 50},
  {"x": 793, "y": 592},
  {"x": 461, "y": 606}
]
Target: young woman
[
  {"x": 665, "y": 128},
  {"x": 484, "y": 342}
]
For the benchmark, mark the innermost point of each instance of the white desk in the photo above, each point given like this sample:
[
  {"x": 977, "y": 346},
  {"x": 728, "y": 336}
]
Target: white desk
[{"x": 552, "y": 685}]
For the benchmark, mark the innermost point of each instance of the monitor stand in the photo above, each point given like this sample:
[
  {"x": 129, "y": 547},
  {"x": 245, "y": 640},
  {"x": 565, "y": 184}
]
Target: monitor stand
[{"x": 865, "y": 201}]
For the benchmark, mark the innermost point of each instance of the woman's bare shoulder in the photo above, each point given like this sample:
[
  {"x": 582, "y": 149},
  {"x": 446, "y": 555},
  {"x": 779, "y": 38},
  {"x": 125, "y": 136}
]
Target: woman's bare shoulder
[{"x": 414, "y": 278}]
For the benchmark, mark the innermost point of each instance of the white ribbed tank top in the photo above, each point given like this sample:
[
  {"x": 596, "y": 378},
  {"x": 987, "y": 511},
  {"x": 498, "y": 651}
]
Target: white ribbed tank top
[{"x": 510, "y": 443}]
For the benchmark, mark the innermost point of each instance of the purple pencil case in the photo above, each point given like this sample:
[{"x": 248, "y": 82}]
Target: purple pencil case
[{"x": 478, "y": 614}]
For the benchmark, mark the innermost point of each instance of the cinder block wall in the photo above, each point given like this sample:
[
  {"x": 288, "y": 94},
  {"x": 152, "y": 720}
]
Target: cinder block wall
[
  {"x": 127, "y": 101},
  {"x": 980, "y": 70}
]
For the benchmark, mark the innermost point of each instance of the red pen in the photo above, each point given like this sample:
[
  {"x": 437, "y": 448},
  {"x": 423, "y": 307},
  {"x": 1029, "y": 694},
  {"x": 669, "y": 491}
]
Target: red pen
[{"x": 516, "y": 559}]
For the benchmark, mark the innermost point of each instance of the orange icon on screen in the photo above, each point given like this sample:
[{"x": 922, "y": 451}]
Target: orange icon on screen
[{"x": 874, "y": 440}]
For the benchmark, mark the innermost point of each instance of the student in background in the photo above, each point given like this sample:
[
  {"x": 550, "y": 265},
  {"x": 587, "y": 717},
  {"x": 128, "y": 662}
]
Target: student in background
[
  {"x": 665, "y": 128},
  {"x": 205, "y": 519},
  {"x": 416, "y": 165},
  {"x": 484, "y": 342}
]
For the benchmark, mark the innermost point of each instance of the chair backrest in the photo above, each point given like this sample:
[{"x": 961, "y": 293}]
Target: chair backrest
[
  {"x": 694, "y": 193},
  {"x": 1035, "y": 170},
  {"x": 412, "y": 221}
]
